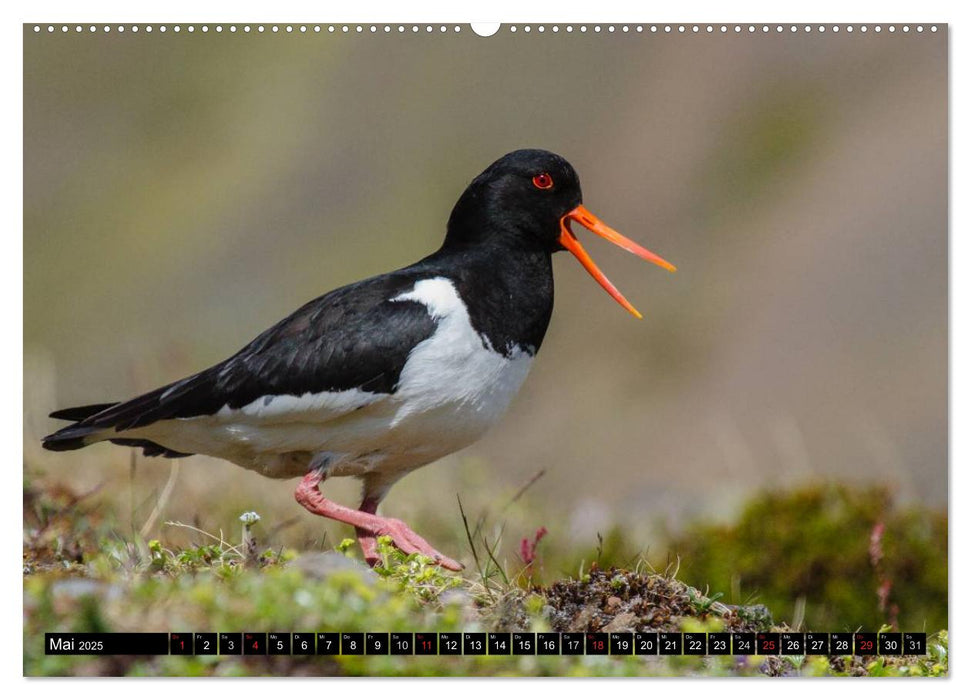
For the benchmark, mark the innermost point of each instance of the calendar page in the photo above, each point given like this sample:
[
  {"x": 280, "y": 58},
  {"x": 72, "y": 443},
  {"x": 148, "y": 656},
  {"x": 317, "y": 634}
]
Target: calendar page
[{"x": 523, "y": 349}]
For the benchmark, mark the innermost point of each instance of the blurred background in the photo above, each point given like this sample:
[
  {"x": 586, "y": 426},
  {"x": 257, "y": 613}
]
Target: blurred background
[{"x": 184, "y": 192}]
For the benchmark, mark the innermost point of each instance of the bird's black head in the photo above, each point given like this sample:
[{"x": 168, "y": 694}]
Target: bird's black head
[
  {"x": 524, "y": 203},
  {"x": 518, "y": 200}
]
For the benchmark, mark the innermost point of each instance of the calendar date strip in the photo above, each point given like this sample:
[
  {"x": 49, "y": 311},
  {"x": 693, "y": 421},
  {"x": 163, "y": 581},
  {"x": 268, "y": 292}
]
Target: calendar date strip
[{"x": 487, "y": 643}]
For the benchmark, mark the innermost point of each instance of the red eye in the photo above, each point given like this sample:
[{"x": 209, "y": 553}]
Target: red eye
[{"x": 543, "y": 181}]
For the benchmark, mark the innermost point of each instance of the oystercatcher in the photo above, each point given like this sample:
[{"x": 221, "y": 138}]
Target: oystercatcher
[{"x": 385, "y": 375}]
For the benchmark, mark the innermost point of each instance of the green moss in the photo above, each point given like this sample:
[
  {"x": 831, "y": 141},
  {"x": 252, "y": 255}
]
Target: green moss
[{"x": 814, "y": 544}]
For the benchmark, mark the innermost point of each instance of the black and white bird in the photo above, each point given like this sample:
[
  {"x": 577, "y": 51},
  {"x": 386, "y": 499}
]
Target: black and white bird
[{"x": 386, "y": 375}]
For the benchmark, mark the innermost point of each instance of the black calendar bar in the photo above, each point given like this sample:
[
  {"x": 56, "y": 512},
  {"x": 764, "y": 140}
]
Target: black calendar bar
[
  {"x": 487, "y": 644},
  {"x": 100, "y": 644}
]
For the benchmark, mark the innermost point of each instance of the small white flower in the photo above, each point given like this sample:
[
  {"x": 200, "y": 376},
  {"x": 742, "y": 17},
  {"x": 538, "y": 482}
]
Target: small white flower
[{"x": 249, "y": 518}]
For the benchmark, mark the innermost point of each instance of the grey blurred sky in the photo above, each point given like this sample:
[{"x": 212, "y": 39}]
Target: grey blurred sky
[{"x": 183, "y": 192}]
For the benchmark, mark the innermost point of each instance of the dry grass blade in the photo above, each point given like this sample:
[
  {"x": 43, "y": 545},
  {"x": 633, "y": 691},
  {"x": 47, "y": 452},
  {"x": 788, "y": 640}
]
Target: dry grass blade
[
  {"x": 163, "y": 499},
  {"x": 283, "y": 526},
  {"x": 523, "y": 489},
  {"x": 480, "y": 523},
  {"x": 468, "y": 534},
  {"x": 223, "y": 544},
  {"x": 491, "y": 552},
  {"x": 132, "y": 462}
]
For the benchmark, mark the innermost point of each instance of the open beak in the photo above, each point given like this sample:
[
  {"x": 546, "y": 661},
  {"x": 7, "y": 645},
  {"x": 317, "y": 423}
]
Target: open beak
[{"x": 585, "y": 218}]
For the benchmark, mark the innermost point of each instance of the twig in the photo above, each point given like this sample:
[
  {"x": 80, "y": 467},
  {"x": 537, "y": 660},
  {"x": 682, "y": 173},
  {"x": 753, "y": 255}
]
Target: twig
[
  {"x": 131, "y": 488},
  {"x": 282, "y": 526},
  {"x": 163, "y": 499},
  {"x": 525, "y": 487}
]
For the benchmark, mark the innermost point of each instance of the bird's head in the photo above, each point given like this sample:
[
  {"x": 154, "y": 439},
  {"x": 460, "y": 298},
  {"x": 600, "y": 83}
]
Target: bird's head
[{"x": 529, "y": 199}]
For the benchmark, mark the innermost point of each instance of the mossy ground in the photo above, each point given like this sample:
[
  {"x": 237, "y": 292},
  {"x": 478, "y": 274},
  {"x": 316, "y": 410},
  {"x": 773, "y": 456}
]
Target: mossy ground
[{"x": 81, "y": 575}]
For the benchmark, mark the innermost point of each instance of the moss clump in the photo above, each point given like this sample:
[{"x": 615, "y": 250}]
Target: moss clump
[
  {"x": 819, "y": 544},
  {"x": 615, "y": 600}
]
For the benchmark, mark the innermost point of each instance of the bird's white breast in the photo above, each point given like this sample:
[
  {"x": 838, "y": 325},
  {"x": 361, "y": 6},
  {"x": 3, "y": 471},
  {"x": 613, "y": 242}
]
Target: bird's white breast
[{"x": 454, "y": 380}]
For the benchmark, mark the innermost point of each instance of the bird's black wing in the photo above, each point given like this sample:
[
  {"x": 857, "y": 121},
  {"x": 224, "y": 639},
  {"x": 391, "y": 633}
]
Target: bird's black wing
[{"x": 356, "y": 337}]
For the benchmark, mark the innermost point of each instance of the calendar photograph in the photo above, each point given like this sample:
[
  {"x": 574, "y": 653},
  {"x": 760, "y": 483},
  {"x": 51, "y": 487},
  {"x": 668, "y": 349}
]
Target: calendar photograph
[{"x": 540, "y": 349}]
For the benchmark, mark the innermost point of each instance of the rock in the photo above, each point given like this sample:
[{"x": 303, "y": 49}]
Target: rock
[
  {"x": 320, "y": 565},
  {"x": 456, "y": 596},
  {"x": 621, "y": 623},
  {"x": 74, "y": 588},
  {"x": 581, "y": 622}
]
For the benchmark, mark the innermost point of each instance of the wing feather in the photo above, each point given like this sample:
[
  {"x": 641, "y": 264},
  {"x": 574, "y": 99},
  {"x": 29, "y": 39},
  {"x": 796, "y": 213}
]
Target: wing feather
[{"x": 354, "y": 338}]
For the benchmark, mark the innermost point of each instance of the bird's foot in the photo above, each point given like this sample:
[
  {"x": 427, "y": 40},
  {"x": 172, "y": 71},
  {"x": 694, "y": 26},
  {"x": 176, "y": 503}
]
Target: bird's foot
[
  {"x": 369, "y": 526},
  {"x": 404, "y": 538}
]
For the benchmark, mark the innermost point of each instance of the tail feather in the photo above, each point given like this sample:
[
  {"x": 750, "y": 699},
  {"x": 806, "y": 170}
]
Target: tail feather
[
  {"x": 73, "y": 437},
  {"x": 91, "y": 424},
  {"x": 110, "y": 421},
  {"x": 79, "y": 413}
]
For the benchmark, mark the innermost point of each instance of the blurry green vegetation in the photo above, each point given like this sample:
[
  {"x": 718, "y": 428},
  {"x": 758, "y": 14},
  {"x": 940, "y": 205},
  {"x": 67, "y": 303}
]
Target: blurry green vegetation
[
  {"x": 817, "y": 544},
  {"x": 767, "y": 140},
  {"x": 82, "y": 575},
  {"x": 182, "y": 192}
]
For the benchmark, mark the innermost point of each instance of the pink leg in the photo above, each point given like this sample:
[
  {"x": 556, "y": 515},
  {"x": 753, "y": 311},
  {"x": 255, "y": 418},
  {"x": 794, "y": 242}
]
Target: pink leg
[
  {"x": 365, "y": 538},
  {"x": 404, "y": 538}
]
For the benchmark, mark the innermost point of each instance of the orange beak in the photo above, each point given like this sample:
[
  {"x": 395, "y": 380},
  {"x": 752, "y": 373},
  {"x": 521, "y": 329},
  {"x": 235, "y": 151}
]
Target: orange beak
[{"x": 586, "y": 219}]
